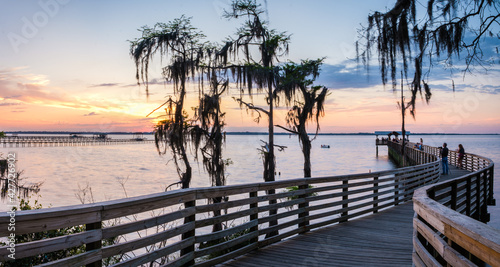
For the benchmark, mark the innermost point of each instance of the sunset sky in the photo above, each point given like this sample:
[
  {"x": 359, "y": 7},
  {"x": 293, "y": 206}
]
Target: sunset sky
[{"x": 65, "y": 66}]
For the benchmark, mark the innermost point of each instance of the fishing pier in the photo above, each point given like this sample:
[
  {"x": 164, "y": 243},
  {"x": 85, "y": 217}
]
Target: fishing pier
[
  {"x": 71, "y": 140},
  {"x": 407, "y": 216}
]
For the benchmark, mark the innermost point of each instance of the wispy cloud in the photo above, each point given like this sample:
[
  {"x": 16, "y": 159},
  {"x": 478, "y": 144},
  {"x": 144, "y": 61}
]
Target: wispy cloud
[
  {"x": 105, "y": 85},
  {"x": 21, "y": 87},
  {"x": 19, "y": 74},
  {"x": 3, "y": 104},
  {"x": 347, "y": 75},
  {"x": 155, "y": 81},
  {"x": 91, "y": 114}
]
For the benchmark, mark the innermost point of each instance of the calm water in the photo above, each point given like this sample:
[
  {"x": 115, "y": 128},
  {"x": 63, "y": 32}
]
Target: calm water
[{"x": 65, "y": 170}]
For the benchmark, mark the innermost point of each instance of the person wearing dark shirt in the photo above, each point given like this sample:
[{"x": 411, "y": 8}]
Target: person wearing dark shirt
[
  {"x": 461, "y": 154},
  {"x": 444, "y": 159}
]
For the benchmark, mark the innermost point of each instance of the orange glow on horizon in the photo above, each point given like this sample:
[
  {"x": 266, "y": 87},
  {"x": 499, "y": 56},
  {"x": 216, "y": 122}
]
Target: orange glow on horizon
[{"x": 30, "y": 103}]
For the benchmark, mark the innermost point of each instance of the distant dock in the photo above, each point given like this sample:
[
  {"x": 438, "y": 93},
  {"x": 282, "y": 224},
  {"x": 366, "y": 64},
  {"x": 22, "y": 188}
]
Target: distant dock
[
  {"x": 383, "y": 141},
  {"x": 72, "y": 140}
]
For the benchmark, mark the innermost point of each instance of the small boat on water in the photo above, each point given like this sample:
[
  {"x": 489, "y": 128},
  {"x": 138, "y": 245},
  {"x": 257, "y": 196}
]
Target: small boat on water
[{"x": 325, "y": 146}]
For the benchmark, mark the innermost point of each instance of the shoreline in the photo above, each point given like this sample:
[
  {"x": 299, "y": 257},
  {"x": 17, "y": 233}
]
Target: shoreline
[{"x": 232, "y": 133}]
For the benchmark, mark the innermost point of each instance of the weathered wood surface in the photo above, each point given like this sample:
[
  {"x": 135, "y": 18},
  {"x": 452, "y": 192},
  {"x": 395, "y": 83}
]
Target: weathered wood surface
[{"x": 381, "y": 239}]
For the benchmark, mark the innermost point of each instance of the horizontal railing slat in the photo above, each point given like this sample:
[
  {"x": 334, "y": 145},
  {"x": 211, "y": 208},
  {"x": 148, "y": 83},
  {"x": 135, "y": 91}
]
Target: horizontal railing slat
[
  {"x": 121, "y": 208},
  {"x": 226, "y": 217},
  {"x": 52, "y": 244},
  {"x": 226, "y": 232},
  {"x": 131, "y": 227},
  {"x": 228, "y": 256},
  {"x": 162, "y": 252},
  {"x": 225, "y": 205},
  {"x": 225, "y": 245},
  {"x": 76, "y": 260},
  {"x": 138, "y": 243}
]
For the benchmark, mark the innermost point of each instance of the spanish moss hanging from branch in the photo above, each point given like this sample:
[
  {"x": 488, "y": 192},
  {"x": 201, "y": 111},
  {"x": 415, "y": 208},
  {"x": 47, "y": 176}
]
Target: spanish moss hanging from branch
[
  {"x": 307, "y": 101},
  {"x": 178, "y": 43},
  {"x": 449, "y": 31}
]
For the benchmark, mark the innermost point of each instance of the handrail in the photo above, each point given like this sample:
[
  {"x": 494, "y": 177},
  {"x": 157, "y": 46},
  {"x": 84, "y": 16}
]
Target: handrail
[
  {"x": 148, "y": 231},
  {"x": 448, "y": 223}
]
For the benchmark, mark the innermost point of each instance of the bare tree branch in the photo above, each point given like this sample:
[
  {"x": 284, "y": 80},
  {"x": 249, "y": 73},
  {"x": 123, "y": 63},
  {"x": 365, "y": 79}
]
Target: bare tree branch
[{"x": 286, "y": 129}]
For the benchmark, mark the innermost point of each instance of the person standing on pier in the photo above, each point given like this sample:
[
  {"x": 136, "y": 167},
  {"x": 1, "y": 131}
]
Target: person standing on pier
[
  {"x": 444, "y": 158},
  {"x": 461, "y": 154}
]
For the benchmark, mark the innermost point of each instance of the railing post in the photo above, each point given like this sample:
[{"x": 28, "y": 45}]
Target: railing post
[
  {"x": 484, "y": 209},
  {"x": 345, "y": 199},
  {"x": 468, "y": 196},
  {"x": 305, "y": 213},
  {"x": 254, "y": 216},
  {"x": 190, "y": 233},
  {"x": 431, "y": 193},
  {"x": 491, "y": 200},
  {"x": 453, "y": 204},
  {"x": 94, "y": 245},
  {"x": 396, "y": 191},
  {"x": 477, "y": 214},
  {"x": 375, "y": 194}
]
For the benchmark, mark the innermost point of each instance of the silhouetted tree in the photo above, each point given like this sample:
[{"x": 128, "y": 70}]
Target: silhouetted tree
[
  {"x": 261, "y": 48},
  {"x": 295, "y": 84},
  {"x": 405, "y": 42},
  {"x": 210, "y": 119},
  {"x": 450, "y": 31},
  {"x": 257, "y": 67},
  {"x": 179, "y": 43}
]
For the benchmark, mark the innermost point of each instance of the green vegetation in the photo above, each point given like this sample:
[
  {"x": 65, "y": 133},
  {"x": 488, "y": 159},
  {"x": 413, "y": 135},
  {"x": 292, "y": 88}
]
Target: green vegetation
[
  {"x": 56, "y": 255},
  {"x": 226, "y": 239},
  {"x": 2, "y": 134},
  {"x": 296, "y": 188},
  {"x": 47, "y": 257}
]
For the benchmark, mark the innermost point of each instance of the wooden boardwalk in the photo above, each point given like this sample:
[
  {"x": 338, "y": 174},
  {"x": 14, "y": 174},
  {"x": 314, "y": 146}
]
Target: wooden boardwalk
[{"x": 382, "y": 239}]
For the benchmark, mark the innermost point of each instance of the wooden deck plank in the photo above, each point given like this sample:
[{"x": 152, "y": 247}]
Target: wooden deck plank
[{"x": 382, "y": 239}]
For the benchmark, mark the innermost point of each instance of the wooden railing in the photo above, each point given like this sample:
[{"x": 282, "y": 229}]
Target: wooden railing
[
  {"x": 413, "y": 156},
  {"x": 449, "y": 216},
  {"x": 175, "y": 227}
]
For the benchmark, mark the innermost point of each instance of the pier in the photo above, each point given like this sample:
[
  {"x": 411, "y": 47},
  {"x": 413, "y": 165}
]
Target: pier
[
  {"x": 46, "y": 141},
  {"x": 402, "y": 217},
  {"x": 384, "y": 140}
]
